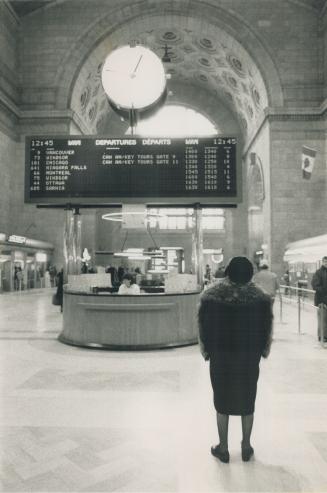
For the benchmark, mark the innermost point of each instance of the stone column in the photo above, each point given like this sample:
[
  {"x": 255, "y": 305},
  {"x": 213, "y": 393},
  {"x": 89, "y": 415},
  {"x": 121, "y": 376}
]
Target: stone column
[
  {"x": 77, "y": 243},
  {"x": 197, "y": 245},
  {"x": 72, "y": 242}
]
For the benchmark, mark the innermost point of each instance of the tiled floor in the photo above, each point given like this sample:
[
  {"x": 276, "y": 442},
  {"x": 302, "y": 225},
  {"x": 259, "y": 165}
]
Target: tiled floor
[{"x": 89, "y": 420}]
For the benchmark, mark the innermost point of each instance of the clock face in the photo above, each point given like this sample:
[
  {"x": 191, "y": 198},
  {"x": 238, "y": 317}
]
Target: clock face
[{"x": 133, "y": 77}]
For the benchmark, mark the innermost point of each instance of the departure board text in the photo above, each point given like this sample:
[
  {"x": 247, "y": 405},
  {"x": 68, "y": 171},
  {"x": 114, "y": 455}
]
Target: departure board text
[{"x": 60, "y": 169}]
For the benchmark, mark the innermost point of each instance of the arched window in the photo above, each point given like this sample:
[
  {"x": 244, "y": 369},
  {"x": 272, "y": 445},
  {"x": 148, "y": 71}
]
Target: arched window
[
  {"x": 182, "y": 218},
  {"x": 175, "y": 121}
]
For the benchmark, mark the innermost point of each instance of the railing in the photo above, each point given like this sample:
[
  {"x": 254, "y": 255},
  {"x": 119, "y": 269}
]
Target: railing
[{"x": 303, "y": 297}]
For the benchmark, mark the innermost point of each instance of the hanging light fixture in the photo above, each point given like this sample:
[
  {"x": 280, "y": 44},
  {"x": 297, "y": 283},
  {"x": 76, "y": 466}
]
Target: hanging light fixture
[
  {"x": 166, "y": 58},
  {"x": 136, "y": 253}
]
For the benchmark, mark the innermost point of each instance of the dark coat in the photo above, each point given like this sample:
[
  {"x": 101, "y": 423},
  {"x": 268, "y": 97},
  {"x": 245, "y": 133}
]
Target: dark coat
[
  {"x": 60, "y": 287},
  {"x": 319, "y": 284},
  {"x": 235, "y": 330}
]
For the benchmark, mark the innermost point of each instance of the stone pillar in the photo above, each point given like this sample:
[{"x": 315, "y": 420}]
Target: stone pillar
[
  {"x": 72, "y": 243},
  {"x": 197, "y": 245},
  {"x": 77, "y": 244}
]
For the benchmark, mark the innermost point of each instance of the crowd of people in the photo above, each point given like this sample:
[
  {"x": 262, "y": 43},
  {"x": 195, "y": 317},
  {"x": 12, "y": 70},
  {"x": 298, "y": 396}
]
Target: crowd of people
[{"x": 37, "y": 276}]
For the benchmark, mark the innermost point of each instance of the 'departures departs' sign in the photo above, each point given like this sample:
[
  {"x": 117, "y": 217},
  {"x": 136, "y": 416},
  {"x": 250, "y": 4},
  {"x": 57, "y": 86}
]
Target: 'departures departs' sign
[{"x": 108, "y": 170}]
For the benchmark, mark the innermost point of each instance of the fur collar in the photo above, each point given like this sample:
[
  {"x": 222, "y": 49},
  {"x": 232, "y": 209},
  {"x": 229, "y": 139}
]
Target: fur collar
[{"x": 227, "y": 291}]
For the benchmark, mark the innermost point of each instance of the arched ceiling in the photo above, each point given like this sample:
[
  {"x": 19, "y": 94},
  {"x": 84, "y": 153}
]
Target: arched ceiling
[
  {"x": 204, "y": 50},
  {"x": 25, "y": 7},
  {"x": 209, "y": 59}
]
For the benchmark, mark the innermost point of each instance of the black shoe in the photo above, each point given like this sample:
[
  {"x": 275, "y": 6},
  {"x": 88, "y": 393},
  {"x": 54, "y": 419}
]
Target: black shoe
[
  {"x": 222, "y": 456},
  {"x": 247, "y": 454}
]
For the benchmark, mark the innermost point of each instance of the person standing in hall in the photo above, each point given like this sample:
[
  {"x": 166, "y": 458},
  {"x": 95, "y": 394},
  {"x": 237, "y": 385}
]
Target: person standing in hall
[
  {"x": 266, "y": 280},
  {"x": 15, "y": 278},
  {"x": 220, "y": 272},
  {"x": 319, "y": 284},
  {"x": 235, "y": 331},
  {"x": 19, "y": 276},
  {"x": 286, "y": 281},
  {"x": 60, "y": 288}
]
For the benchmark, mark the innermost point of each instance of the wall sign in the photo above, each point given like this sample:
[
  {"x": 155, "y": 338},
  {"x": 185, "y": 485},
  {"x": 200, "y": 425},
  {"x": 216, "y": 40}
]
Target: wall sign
[
  {"x": 17, "y": 239},
  {"x": 153, "y": 170}
]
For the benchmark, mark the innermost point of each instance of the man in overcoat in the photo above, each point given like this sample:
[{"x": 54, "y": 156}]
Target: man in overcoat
[
  {"x": 319, "y": 284},
  {"x": 235, "y": 331}
]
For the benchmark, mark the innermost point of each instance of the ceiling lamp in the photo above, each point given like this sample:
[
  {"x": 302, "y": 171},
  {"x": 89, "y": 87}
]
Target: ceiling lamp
[
  {"x": 139, "y": 257},
  {"x": 171, "y": 248},
  {"x": 119, "y": 216},
  {"x": 135, "y": 252},
  {"x": 217, "y": 254},
  {"x": 166, "y": 58}
]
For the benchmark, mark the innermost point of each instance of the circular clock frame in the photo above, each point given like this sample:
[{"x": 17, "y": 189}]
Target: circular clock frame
[{"x": 134, "y": 79}]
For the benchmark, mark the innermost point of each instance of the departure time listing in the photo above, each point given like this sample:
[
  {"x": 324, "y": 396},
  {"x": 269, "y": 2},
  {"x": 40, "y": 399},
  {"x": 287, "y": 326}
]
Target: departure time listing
[{"x": 124, "y": 167}]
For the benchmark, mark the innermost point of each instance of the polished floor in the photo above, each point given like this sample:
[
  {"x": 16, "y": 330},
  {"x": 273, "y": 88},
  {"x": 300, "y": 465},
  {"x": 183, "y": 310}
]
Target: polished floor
[{"x": 99, "y": 421}]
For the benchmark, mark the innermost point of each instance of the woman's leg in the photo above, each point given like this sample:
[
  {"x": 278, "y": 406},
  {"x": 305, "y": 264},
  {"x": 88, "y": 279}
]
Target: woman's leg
[
  {"x": 222, "y": 423},
  {"x": 247, "y": 450},
  {"x": 247, "y": 423},
  {"x": 220, "y": 451}
]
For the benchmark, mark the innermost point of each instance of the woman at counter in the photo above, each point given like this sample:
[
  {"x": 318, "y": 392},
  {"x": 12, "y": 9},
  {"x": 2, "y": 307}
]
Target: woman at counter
[{"x": 127, "y": 286}]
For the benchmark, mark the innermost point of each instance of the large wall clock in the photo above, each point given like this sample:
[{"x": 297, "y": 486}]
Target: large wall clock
[{"x": 133, "y": 78}]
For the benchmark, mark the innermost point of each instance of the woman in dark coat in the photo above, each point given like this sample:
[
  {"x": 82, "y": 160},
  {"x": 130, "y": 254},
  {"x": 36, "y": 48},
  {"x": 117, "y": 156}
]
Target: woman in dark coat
[
  {"x": 235, "y": 330},
  {"x": 60, "y": 288}
]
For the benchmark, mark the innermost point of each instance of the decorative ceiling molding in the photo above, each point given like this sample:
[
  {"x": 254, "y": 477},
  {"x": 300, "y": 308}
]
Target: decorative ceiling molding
[
  {"x": 24, "y": 8},
  {"x": 288, "y": 114},
  {"x": 214, "y": 60},
  {"x": 313, "y": 5},
  {"x": 239, "y": 73}
]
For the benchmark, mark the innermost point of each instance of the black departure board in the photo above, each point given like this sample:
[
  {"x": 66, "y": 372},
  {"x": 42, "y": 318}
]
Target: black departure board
[{"x": 80, "y": 169}]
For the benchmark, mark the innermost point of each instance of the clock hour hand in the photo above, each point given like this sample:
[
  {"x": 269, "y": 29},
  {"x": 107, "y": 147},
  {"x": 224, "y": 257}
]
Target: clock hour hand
[{"x": 117, "y": 71}]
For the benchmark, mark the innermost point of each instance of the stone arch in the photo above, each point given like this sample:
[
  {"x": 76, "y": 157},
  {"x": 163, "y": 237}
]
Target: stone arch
[{"x": 208, "y": 14}]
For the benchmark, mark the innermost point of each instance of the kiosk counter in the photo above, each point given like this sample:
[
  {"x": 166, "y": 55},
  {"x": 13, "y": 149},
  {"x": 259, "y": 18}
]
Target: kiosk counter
[{"x": 145, "y": 321}]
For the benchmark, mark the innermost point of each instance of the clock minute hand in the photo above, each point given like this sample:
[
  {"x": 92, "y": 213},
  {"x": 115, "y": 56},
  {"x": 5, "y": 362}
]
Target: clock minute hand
[{"x": 138, "y": 63}]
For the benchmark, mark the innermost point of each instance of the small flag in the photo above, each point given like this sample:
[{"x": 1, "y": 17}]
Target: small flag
[{"x": 308, "y": 161}]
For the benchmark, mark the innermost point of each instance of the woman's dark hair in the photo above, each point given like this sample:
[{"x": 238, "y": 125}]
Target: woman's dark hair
[
  {"x": 128, "y": 276},
  {"x": 239, "y": 270}
]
